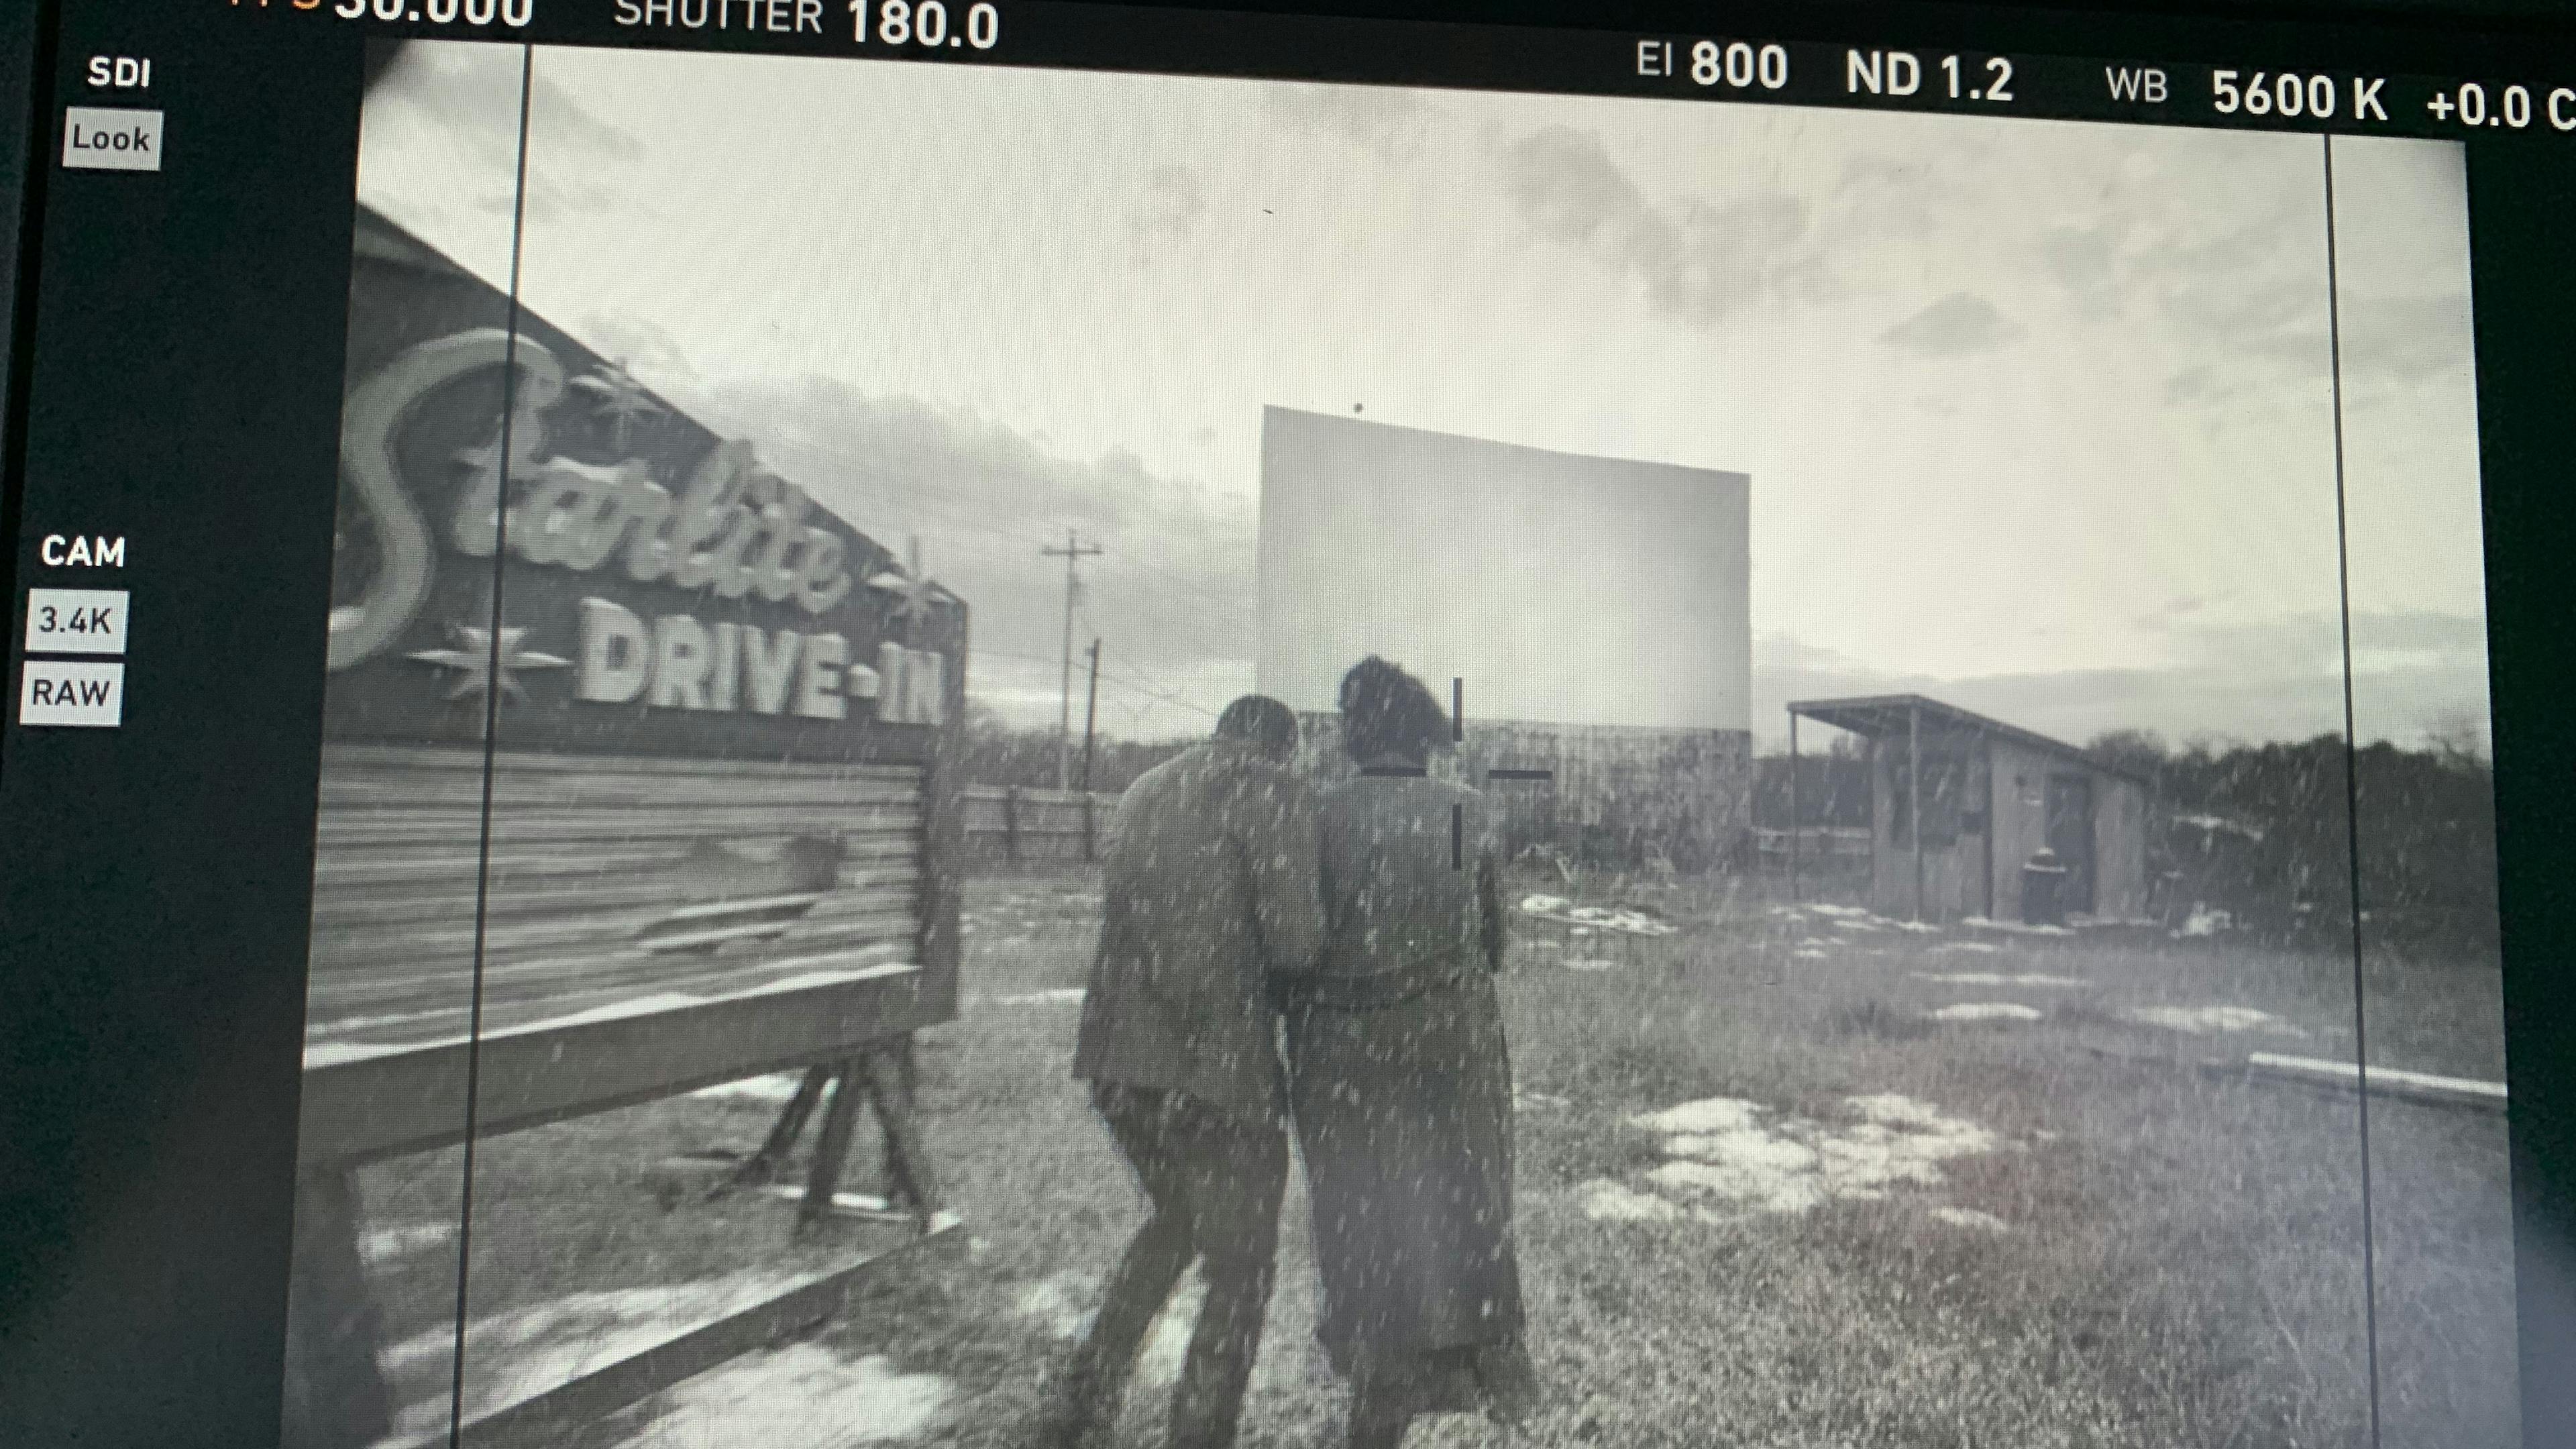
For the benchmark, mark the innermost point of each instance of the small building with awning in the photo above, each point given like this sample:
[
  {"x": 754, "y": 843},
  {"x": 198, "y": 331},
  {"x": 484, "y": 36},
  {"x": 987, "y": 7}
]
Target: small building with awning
[{"x": 1961, "y": 803}]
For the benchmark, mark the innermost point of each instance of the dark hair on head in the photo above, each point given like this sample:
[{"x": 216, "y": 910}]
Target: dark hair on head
[
  {"x": 1386, "y": 711},
  {"x": 1262, "y": 720}
]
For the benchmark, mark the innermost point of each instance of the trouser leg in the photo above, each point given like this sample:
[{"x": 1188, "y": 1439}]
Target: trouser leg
[
  {"x": 1208, "y": 1402},
  {"x": 1094, "y": 1379},
  {"x": 1238, "y": 1171},
  {"x": 1380, "y": 1412}
]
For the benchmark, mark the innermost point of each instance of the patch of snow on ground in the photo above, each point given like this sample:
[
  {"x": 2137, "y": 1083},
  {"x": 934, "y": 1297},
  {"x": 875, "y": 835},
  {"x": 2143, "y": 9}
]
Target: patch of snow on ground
[
  {"x": 384, "y": 1245},
  {"x": 1590, "y": 963},
  {"x": 1527, "y": 1100},
  {"x": 1159, "y": 1362},
  {"x": 1952, "y": 948},
  {"x": 1058, "y": 996},
  {"x": 2204, "y": 922},
  {"x": 1710, "y": 1114},
  {"x": 776, "y": 1087},
  {"x": 2202, "y": 1020},
  {"x": 1985, "y": 923},
  {"x": 1994, "y": 978},
  {"x": 1605, "y": 1201},
  {"x": 1959, "y": 1217},
  {"x": 1752, "y": 1168},
  {"x": 1986, "y": 1011},
  {"x": 1721, "y": 1149},
  {"x": 1624, "y": 919},
  {"x": 1808, "y": 953},
  {"x": 1064, "y": 1302},
  {"x": 1635, "y": 923},
  {"x": 800, "y": 1397}
]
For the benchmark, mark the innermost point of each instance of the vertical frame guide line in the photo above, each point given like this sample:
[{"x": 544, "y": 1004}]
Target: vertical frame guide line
[
  {"x": 2352, "y": 807},
  {"x": 491, "y": 727}
]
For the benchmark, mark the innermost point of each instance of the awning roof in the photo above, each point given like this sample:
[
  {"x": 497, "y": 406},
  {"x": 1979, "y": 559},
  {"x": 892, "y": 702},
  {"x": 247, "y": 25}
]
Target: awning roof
[{"x": 1880, "y": 716}]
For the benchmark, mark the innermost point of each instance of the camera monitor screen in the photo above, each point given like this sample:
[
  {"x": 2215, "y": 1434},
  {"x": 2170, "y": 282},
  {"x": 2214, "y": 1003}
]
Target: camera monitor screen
[{"x": 1755, "y": 732}]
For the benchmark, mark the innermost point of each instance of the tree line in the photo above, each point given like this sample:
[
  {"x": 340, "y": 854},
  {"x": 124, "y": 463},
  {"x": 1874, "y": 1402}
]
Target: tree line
[{"x": 997, "y": 753}]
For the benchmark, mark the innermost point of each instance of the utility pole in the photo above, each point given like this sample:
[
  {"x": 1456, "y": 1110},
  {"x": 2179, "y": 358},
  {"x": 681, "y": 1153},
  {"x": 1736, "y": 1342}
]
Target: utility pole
[
  {"x": 1073, "y": 552},
  {"x": 1090, "y": 716}
]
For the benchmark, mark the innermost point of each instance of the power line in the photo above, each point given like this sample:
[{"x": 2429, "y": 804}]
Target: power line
[
  {"x": 1162, "y": 627},
  {"x": 1236, "y": 605},
  {"x": 1163, "y": 695},
  {"x": 1147, "y": 690}
]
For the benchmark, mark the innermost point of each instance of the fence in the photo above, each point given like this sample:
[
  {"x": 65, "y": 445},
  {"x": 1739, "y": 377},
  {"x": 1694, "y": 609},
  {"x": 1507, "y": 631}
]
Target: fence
[
  {"x": 1015, "y": 823},
  {"x": 1824, "y": 849}
]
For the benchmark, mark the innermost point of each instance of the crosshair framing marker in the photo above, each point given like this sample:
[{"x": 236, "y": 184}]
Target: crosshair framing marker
[
  {"x": 1457, "y": 709},
  {"x": 1457, "y": 837},
  {"x": 1520, "y": 774},
  {"x": 1394, "y": 772}
]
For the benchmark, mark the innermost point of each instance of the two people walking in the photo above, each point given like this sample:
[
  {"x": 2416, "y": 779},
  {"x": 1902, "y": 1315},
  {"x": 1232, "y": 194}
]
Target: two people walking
[{"x": 1362, "y": 923}]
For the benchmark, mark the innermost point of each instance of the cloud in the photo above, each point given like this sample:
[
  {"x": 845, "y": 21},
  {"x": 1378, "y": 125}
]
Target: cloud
[
  {"x": 1168, "y": 209},
  {"x": 2241, "y": 289},
  {"x": 640, "y": 346},
  {"x": 1890, "y": 198},
  {"x": 1956, "y": 325},
  {"x": 1172, "y": 593},
  {"x": 2406, "y": 341},
  {"x": 559, "y": 127},
  {"x": 1388, "y": 123},
  {"x": 1699, "y": 263},
  {"x": 2082, "y": 259},
  {"x": 471, "y": 95},
  {"x": 2203, "y": 384},
  {"x": 2416, "y": 674}
]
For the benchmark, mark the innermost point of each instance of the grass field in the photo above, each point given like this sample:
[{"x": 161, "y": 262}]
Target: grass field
[{"x": 2062, "y": 1220}]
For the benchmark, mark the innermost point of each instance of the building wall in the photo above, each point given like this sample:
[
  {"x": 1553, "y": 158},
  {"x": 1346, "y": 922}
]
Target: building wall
[
  {"x": 1954, "y": 859},
  {"x": 2120, "y": 847},
  {"x": 2014, "y": 779},
  {"x": 2021, "y": 827},
  {"x": 1623, "y": 795},
  {"x": 2021, "y": 817}
]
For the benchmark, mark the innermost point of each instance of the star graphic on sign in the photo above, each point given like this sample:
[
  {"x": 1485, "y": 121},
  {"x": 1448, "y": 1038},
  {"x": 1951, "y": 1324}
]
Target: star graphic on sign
[
  {"x": 615, "y": 392},
  {"x": 477, "y": 661},
  {"x": 921, "y": 593}
]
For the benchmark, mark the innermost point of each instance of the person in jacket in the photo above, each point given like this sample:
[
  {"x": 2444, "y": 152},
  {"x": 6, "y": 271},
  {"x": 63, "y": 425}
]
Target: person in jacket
[
  {"x": 1209, "y": 894},
  {"x": 1400, "y": 1082}
]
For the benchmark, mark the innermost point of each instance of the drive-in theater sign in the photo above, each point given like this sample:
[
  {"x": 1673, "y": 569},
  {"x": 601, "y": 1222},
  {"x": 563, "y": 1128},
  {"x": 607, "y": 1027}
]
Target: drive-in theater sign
[{"x": 633, "y": 784}]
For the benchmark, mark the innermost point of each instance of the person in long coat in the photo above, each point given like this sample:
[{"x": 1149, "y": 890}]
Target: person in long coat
[{"x": 1401, "y": 1083}]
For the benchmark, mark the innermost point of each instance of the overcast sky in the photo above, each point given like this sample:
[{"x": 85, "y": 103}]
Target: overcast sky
[{"x": 2038, "y": 415}]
